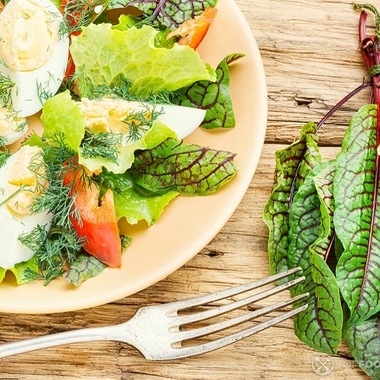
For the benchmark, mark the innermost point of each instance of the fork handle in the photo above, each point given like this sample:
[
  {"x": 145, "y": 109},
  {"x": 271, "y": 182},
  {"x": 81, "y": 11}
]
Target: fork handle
[{"x": 58, "y": 339}]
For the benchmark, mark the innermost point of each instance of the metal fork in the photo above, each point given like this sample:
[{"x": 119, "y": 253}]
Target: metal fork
[{"x": 155, "y": 330}]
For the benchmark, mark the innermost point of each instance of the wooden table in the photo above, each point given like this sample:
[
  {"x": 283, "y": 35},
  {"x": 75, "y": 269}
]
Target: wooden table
[{"x": 311, "y": 58}]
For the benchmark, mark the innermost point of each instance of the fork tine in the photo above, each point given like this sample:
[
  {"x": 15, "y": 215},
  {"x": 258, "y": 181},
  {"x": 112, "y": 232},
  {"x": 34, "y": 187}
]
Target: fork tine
[
  {"x": 202, "y": 331},
  {"x": 195, "y": 317},
  {"x": 199, "y": 300},
  {"x": 222, "y": 342}
]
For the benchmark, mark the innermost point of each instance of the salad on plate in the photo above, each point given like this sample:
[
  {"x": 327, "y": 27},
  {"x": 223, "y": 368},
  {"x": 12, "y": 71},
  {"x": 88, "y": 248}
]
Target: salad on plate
[{"x": 116, "y": 86}]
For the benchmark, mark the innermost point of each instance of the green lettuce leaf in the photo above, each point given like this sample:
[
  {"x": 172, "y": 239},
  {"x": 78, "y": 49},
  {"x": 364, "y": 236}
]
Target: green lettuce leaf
[
  {"x": 104, "y": 55},
  {"x": 61, "y": 115},
  {"x": 126, "y": 155},
  {"x": 187, "y": 169},
  {"x": 134, "y": 206},
  {"x": 2, "y": 274},
  {"x": 20, "y": 270}
]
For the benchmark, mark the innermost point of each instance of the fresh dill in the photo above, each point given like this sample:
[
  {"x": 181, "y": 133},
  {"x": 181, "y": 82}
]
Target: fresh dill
[
  {"x": 53, "y": 249},
  {"x": 79, "y": 13},
  {"x": 7, "y": 199},
  {"x": 55, "y": 197},
  {"x": 43, "y": 90},
  {"x": 139, "y": 122},
  {"x": 104, "y": 144},
  {"x": 6, "y": 86},
  {"x": 4, "y": 151},
  {"x": 58, "y": 246},
  {"x": 120, "y": 89}
]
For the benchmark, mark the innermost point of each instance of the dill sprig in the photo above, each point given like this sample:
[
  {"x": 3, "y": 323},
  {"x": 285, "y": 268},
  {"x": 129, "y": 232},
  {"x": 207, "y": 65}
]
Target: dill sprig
[
  {"x": 79, "y": 13},
  {"x": 53, "y": 248},
  {"x": 54, "y": 198},
  {"x": 58, "y": 246},
  {"x": 4, "y": 151},
  {"x": 104, "y": 144},
  {"x": 140, "y": 121},
  {"x": 6, "y": 86},
  {"x": 43, "y": 89},
  {"x": 120, "y": 89}
]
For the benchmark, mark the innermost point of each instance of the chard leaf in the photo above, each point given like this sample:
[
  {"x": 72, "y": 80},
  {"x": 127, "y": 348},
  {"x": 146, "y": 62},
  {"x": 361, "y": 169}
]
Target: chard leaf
[
  {"x": 320, "y": 325},
  {"x": 187, "y": 169},
  {"x": 356, "y": 216},
  {"x": 170, "y": 14},
  {"x": 292, "y": 165},
  {"x": 214, "y": 97},
  {"x": 103, "y": 55},
  {"x": 83, "y": 268},
  {"x": 363, "y": 341}
]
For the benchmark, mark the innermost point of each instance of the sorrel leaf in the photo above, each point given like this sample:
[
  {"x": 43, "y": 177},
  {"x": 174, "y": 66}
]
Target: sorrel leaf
[
  {"x": 364, "y": 343},
  {"x": 213, "y": 96},
  {"x": 84, "y": 268},
  {"x": 325, "y": 242},
  {"x": 320, "y": 324},
  {"x": 357, "y": 218},
  {"x": 292, "y": 165},
  {"x": 187, "y": 169},
  {"x": 168, "y": 13}
]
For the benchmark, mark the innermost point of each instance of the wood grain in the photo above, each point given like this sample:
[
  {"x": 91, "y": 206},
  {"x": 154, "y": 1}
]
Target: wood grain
[{"x": 310, "y": 53}]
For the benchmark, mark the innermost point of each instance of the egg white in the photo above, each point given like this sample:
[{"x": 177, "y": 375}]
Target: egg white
[
  {"x": 181, "y": 120},
  {"x": 12, "y": 225},
  {"x": 32, "y": 88}
]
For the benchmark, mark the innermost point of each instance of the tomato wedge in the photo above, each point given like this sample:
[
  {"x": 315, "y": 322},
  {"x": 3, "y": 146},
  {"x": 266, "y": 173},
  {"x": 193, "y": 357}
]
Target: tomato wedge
[
  {"x": 192, "y": 31},
  {"x": 97, "y": 222}
]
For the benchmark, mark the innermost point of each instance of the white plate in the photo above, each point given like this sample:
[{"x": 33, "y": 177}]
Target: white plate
[{"x": 188, "y": 224}]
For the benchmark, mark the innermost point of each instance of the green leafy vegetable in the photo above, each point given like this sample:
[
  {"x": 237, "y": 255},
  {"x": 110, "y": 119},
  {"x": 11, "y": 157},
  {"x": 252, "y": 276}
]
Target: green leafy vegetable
[
  {"x": 213, "y": 96},
  {"x": 105, "y": 54},
  {"x": 135, "y": 206},
  {"x": 170, "y": 14},
  {"x": 355, "y": 198},
  {"x": 187, "y": 169},
  {"x": 364, "y": 343},
  {"x": 292, "y": 165},
  {"x": 326, "y": 220},
  {"x": 320, "y": 325},
  {"x": 84, "y": 268},
  {"x": 61, "y": 114}
]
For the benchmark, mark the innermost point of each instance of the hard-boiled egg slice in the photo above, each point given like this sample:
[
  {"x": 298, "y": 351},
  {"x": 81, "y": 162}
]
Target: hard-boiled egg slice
[
  {"x": 12, "y": 127},
  {"x": 182, "y": 120},
  {"x": 33, "y": 53},
  {"x": 107, "y": 115},
  {"x": 13, "y": 224}
]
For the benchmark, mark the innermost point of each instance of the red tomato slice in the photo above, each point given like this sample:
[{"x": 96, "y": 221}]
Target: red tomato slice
[
  {"x": 192, "y": 31},
  {"x": 97, "y": 222}
]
